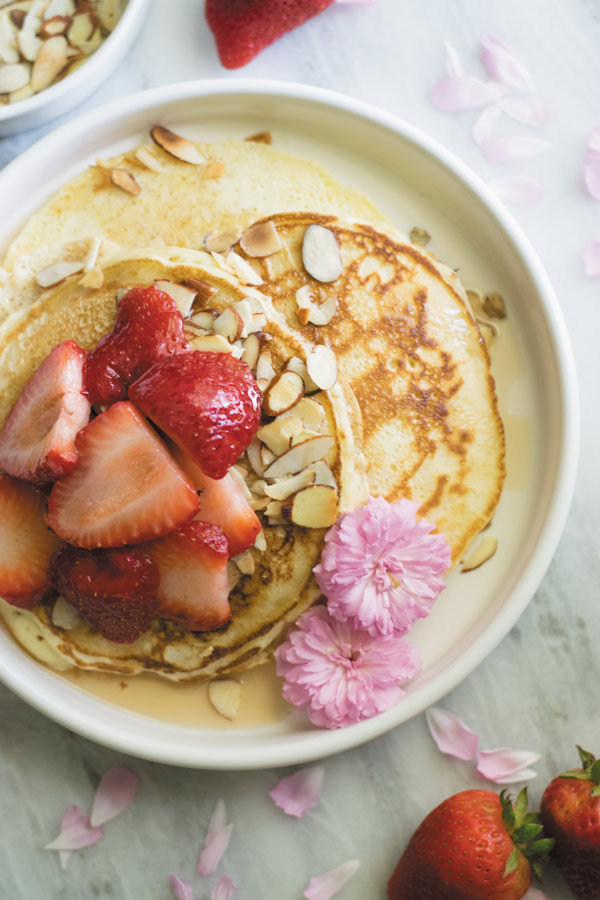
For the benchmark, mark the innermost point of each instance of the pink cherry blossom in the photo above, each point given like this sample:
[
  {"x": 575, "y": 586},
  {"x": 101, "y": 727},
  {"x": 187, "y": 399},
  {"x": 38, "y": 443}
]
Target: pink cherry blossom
[
  {"x": 504, "y": 64},
  {"x": 325, "y": 886},
  {"x": 506, "y": 765},
  {"x": 382, "y": 568},
  {"x": 115, "y": 792},
  {"x": 76, "y": 832},
  {"x": 451, "y": 734},
  {"x": 297, "y": 794},
  {"x": 341, "y": 675}
]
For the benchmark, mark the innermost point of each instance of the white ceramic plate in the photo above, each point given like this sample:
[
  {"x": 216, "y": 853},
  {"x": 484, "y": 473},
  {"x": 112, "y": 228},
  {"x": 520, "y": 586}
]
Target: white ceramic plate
[{"x": 416, "y": 182}]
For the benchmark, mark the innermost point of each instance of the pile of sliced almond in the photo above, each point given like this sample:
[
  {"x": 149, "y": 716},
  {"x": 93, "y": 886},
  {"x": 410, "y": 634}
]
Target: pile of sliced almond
[{"x": 42, "y": 41}]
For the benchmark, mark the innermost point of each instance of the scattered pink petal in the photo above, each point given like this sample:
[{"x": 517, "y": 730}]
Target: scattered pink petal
[
  {"x": 512, "y": 149},
  {"x": 76, "y": 833},
  {"x": 594, "y": 140},
  {"x": 217, "y": 839},
  {"x": 504, "y": 64},
  {"x": 454, "y": 66},
  {"x": 505, "y": 765},
  {"x": 535, "y": 894},
  {"x": 524, "y": 111},
  {"x": 357, "y": 2},
  {"x": 456, "y": 93},
  {"x": 296, "y": 794},
  {"x": 451, "y": 734},
  {"x": 181, "y": 889},
  {"x": 518, "y": 189},
  {"x": 485, "y": 124},
  {"x": 324, "y": 886},
  {"x": 341, "y": 675},
  {"x": 115, "y": 792},
  {"x": 224, "y": 889},
  {"x": 591, "y": 170},
  {"x": 73, "y": 815},
  {"x": 591, "y": 258}
]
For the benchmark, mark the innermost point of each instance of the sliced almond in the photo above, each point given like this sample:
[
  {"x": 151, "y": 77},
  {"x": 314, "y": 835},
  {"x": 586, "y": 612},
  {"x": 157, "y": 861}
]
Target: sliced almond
[
  {"x": 58, "y": 272},
  {"x": 182, "y": 295},
  {"x": 310, "y": 413},
  {"x": 81, "y": 29},
  {"x": 300, "y": 456},
  {"x": 233, "y": 574},
  {"x": 214, "y": 170},
  {"x": 258, "y": 487},
  {"x": 204, "y": 318},
  {"x": 243, "y": 269},
  {"x": 14, "y": 77},
  {"x": 49, "y": 62},
  {"x": 262, "y": 137},
  {"x": 220, "y": 242},
  {"x": 245, "y": 562},
  {"x": 312, "y": 507},
  {"x": 322, "y": 367},
  {"x": 17, "y": 17},
  {"x": 108, "y": 12},
  {"x": 278, "y": 434},
  {"x": 192, "y": 330},
  {"x": 177, "y": 146},
  {"x": 239, "y": 476},
  {"x": 226, "y": 696},
  {"x": 303, "y": 315},
  {"x": 273, "y": 508},
  {"x": 23, "y": 94},
  {"x": 204, "y": 290},
  {"x": 125, "y": 180},
  {"x": 245, "y": 310},
  {"x": 230, "y": 324},
  {"x": 147, "y": 159},
  {"x": 321, "y": 254},
  {"x": 297, "y": 365},
  {"x": 484, "y": 550},
  {"x": 64, "y": 614},
  {"x": 266, "y": 455},
  {"x": 253, "y": 456},
  {"x": 90, "y": 46},
  {"x": 264, "y": 367},
  {"x": 259, "y": 320},
  {"x": 283, "y": 393},
  {"x": 493, "y": 306},
  {"x": 211, "y": 343},
  {"x": 59, "y": 8},
  {"x": 251, "y": 350},
  {"x": 261, "y": 239},
  {"x": 281, "y": 490},
  {"x": 91, "y": 257},
  {"x": 261, "y": 541},
  {"x": 29, "y": 44},
  {"x": 323, "y": 474},
  {"x": 55, "y": 25},
  {"x": 315, "y": 313},
  {"x": 94, "y": 279}
]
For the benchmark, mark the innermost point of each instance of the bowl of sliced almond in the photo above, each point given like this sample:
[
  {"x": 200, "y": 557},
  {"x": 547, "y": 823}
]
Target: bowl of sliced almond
[{"x": 54, "y": 53}]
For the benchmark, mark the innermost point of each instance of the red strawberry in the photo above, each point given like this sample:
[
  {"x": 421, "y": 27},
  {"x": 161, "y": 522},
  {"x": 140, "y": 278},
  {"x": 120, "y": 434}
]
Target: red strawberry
[
  {"x": 193, "y": 588},
  {"x": 473, "y": 845},
  {"x": 26, "y": 544},
  {"x": 148, "y": 327},
  {"x": 126, "y": 487},
  {"x": 223, "y": 503},
  {"x": 242, "y": 28},
  {"x": 208, "y": 403},
  {"x": 38, "y": 439},
  {"x": 570, "y": 813},
  {"x": 114, "y": 589}
]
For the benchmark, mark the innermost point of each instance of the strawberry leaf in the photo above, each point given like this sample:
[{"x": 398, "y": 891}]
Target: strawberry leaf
[
  {"x": 508, "y": 813},
  {"x": 539, "y": 849},
  {"x": 526, "y": 833},
  {"x": 521, "y": 805},
  {"x": 512, "y": 861}
]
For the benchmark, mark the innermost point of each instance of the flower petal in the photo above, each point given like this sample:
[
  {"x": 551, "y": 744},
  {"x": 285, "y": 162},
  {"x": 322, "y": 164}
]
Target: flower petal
[
  {"x": 224, "y": 888},
  {"x": 72, "y": 816},
  {"x": 504, "y": 64},
  {"x": 217, "y": 839},
  {"x": 115, "y": 792},
  {"x": 505, "y": 765},
  {"x": 451, "y": 734},
  {"x": 591, "y": 169},
  {"x": 534, "y": 894},
  {"x": 511, "y": 149},
  {"x": 78, "y": 833},
  {"x": 524, "y": 111},
  {"x": 181, "y": 889},
  {"x": 454, "y": 64},
  {"x": 324, "y": 886},
  {"x": 591, "y": 258},
  {"x": 518, "y": 189},
  {"x": 296, "y": 794},
  {"x": 456, "y": 93},
  {"x": 485, "y": 124}
]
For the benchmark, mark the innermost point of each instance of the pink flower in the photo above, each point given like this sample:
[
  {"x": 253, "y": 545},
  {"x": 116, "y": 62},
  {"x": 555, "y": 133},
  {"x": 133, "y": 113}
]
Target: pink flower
[
  {"x": 381, "y": 567},
  {"x": 340, "y": 675}
]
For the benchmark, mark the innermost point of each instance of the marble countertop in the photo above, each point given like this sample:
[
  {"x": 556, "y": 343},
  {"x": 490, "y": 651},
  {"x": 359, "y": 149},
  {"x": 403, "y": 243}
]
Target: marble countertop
[{"x": 537, "y": 689}]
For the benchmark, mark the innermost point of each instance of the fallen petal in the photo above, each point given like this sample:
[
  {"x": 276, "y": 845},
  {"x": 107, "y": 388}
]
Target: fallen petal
[
  {"x": 225, "y": 886},
  {"x": 115, "y": 792},
  {"x": 517, "y": 189},
  {"x": 535, "y": 894},
  {"x": 451, "y": 734},
  {"x": 324, "y": 886},
  {"x": 296, "y": 794},
  {"x": 504, "y": 64},
  {"x": 73, "y": 815},
  {"x": 525, "y": 111},
  {"x": 456, "y": 93},
  {"x": 594, "y": 140},
  {"x": 77, "y": 834},
  {"x": 591, "y": 258},
  {"x": 485, "y": 124},
  {"x": 591, "y": 169},
  {"x": 217, "y": 839},
  {"x": 357, "y": 2},
  {"x": 181, "y": 889},
  {"x": 454, "y": 64},
  {"x": 505, "y": 765},
  {"x": 521, "y": 775},
  {"x": 511, "y": 149}
]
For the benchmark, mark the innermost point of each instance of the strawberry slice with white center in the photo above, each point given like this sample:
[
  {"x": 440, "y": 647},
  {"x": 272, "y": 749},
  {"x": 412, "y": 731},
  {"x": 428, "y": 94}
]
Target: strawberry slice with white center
[
  {"x": 223, "y": 503},
  {"x": 37, "y": 442},
  {"x": 126, "y": 487},
  {"x": 193, "y": 588},
  {"x": 26, "y": 544}
]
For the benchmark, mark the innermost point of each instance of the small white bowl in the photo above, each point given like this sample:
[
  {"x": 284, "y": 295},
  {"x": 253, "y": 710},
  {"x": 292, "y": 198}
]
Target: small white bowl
[{"x": 65, "y": 94}]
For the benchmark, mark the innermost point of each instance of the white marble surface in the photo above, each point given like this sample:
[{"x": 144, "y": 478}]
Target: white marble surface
[{"x": 537, "y": 689}]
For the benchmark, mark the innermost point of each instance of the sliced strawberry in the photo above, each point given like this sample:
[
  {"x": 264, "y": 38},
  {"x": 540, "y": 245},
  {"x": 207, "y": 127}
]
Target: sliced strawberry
[
  {"x": 193, "y": 586},
  {"x": 242, "y": 28},
  {"x": 148, "y": 327},
  {"x": 208, "y": 403},
  {"x": 38, "y": 439},
  {"x": 126, "y": 487},
  {"x": 114, "y": 589},
  {"x": 223, "y": 503},
  {"x": 26, "y": 544}
]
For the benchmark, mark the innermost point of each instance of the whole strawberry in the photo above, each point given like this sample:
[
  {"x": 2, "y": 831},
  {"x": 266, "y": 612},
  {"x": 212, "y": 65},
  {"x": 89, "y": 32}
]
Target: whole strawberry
[
  {"x": 475, "y": 844},
  {"x": 570, "y": 813}
]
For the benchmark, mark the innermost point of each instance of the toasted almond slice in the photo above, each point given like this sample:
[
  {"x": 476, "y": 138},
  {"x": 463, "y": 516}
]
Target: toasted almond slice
[
  {"x": 239, "y": 476},
  {"x": 91, "y": 257},
  {"x": 273, "y": 508},
  {"x": 304, "y": 435},
  {"x": 211, "y": 343},
  {"x": 484, "y": 550},
  {"x": 262, "y": 137},
  {"x": 23, "y": 93},
  {"x": 177, "y": 146},
  {"x": 58, "y": 272},
  {"x": 315, "y": 313},
  {"x": 220, "y": 242},
  {"x": 261, "y": 239},
  {"x": 145, "y": 157},
  {"x": 297, "y": 365},
  {"x": 258, "y": 487},
  {"x": 108, "y": 13},
  {"x": 233, "y": 574},
  {"x": 182, "y": 295},
  {"x": 261, "y": 541},
  {"x": 125, "y": 180},
  {"x": 50, "y": 61},
  {"x": 29, "y": 43},
  {"x": 14, "y": 77},
  {"x": 312, "y": 507},
  {"x": 55, "y": 25},
  {"x": 278, "y": 434},
  {"x": 90, "y": 46},
  {"x": 59, "y": 8},
  {"x": 300, "y": 456},
  {"x": 242, "y": 269},
  {"x": 323, "y": 474},
  {"x": 251, "y": 350},
  {"x": 281, "y": 490},
  {"x": 321, "y": 254},
  {"x": 192, "y": 330},
  {"x": 419, "y": 236},
  {"x": 204, "y": 318},
  {"x": 94, "y": 279},
  {"x": 204, "y": 291},
  {"x": 256, "y": 304},
  {"x": 259, "y": 320},
  {"x": 245, "y": 310},
  {"x": 253, "y": 456},
  {"x": 264, "y": 367},
  {"x": 322, "y": 367},
  {"x": 266, "y": 455},
  {"x": 230, "y": 324},
  {"x": 283, "y": 392},
  {"x": 225, "y": 695},
  {"x": 303, "y": 315},
  {"x": 17, "y": 17},
  {"x": 214, "y": 170},
  {"x": 493, "y": 306},
  {"x": 310, "y": 413},
  {"x": 81, "y": 29},
  {"x": 245, "y": 562},
  {"x": 64, "y": 614}
]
